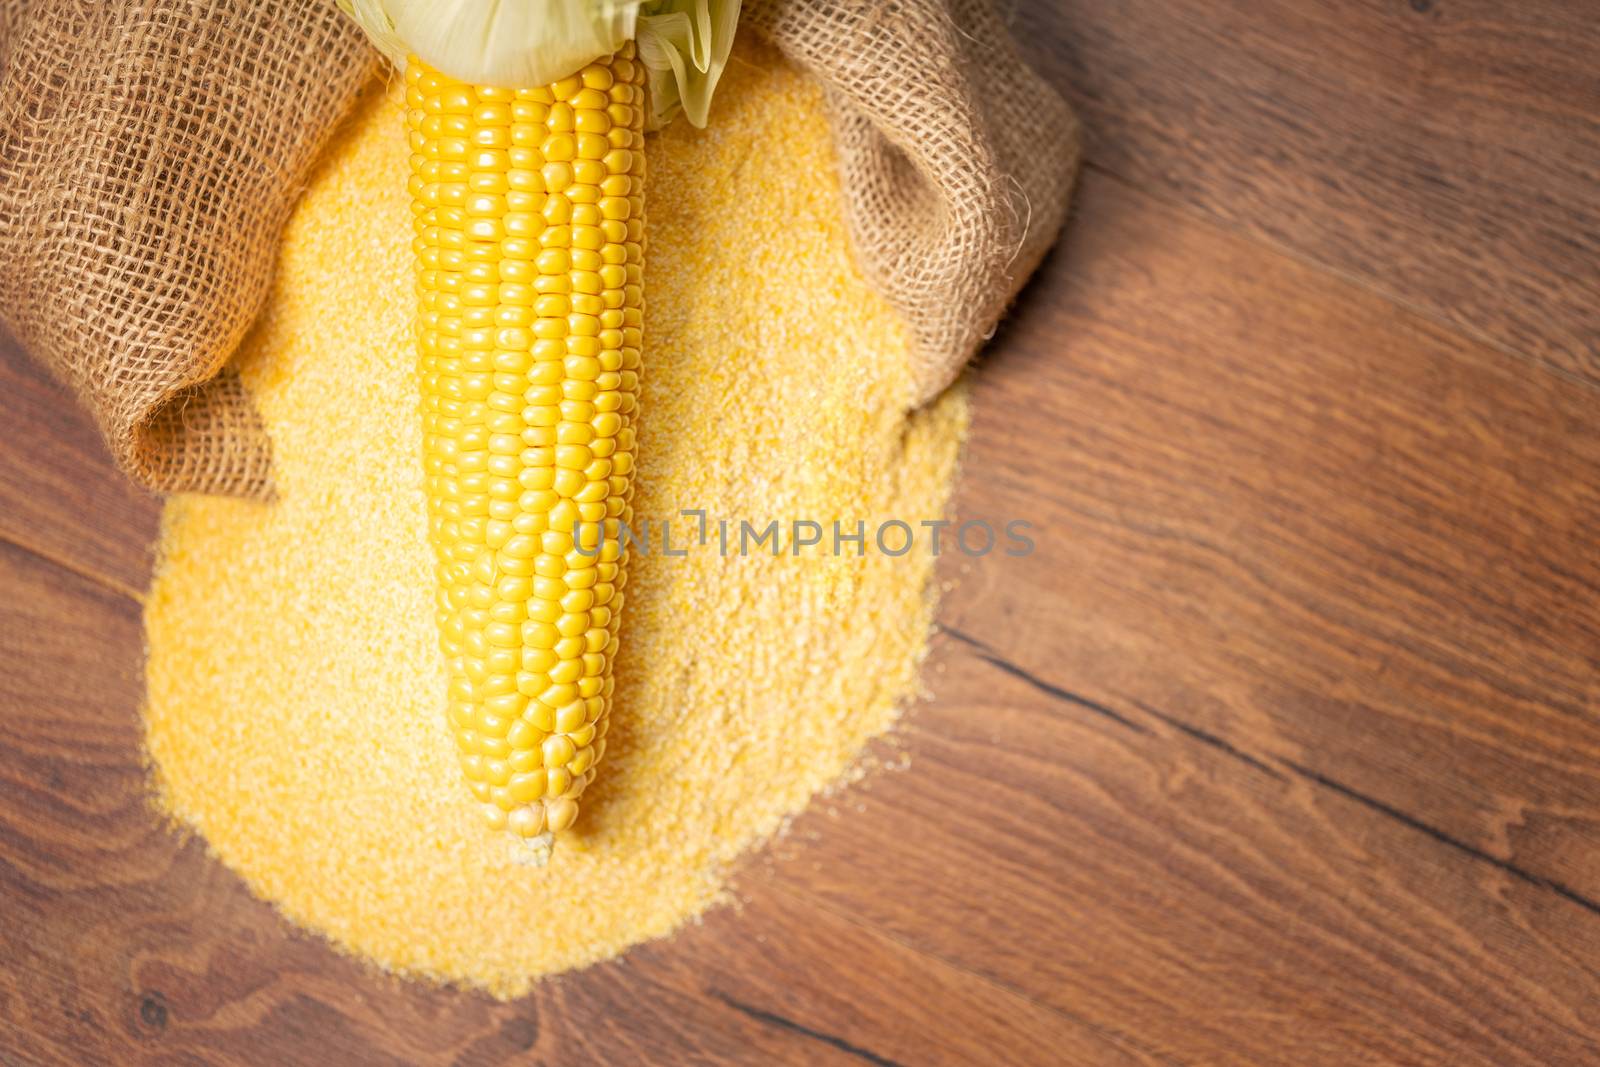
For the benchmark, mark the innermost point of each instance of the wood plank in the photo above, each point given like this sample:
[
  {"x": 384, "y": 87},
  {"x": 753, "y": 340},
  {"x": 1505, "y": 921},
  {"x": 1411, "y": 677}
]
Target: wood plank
[
  {"x": 783, "y": 960},
  {"x": 1448, "y": 150},
  {"x": 1281, "y": 747},
  {"x": 1199, "y": 905},
  {"x": 123, "y": 942},
  {"x": 59, "y": 494},
  {"x": 1304, "y": 521}
]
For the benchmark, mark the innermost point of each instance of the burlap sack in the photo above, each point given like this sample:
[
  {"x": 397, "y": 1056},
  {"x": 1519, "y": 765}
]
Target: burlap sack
[
  {"x": 150, "y": 151},
  {"x": 957, "y": 160}
]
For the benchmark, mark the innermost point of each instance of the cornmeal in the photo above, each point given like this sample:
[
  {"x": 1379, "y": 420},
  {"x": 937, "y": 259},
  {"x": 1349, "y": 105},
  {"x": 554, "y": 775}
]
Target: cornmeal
[{"x": 296, "y": 690}]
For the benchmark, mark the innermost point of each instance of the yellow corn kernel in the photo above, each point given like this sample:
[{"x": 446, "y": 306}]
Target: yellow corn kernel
[{"x": 529, "y": 296}]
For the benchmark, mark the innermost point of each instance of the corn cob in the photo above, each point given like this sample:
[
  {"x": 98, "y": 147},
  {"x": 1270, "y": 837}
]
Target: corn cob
[{"x": 529, "y": 216}]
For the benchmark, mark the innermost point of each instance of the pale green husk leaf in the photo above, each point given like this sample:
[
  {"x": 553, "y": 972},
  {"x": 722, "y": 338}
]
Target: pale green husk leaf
[{"x": 684, "y": 44}]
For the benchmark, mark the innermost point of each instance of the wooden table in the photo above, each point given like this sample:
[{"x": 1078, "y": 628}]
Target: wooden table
[{"x": 1283, "y": 748}]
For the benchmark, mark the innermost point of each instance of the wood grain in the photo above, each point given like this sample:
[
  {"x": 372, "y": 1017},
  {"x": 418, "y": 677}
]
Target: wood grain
[
  {"x": 1136, "y": 826},
  {"x": 1280, "y": 748},
  {"x": 1297, "y": 517},
  {"x": 59, "y": 493},
  {"x": 1447, "y": 150},
  {"x": 1189, "y": 903}
]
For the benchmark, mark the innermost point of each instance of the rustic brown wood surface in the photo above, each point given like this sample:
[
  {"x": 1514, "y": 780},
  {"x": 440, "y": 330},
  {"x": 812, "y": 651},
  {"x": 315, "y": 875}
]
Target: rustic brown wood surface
[
  {"x": 1444, "y": 151},
  {"x": 1283, "y": 747}
]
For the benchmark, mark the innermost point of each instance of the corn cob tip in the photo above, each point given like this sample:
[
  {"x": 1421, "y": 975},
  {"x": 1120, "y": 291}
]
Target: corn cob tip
[{"x": 533, "y": 851}]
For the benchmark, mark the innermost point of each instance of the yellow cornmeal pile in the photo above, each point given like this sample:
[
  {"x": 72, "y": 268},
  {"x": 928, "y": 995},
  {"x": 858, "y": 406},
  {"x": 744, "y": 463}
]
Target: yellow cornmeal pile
[{"x": 296, "y": 691}]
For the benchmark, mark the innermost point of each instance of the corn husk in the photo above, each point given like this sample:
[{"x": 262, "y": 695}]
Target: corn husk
[
  {"x": 683, "y": 44},
  {"x": 684, "y": 47}
]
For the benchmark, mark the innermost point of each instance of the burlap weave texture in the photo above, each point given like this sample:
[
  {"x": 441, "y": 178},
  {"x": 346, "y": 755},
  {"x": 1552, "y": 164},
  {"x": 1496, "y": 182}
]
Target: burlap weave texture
[{"x": 150, "y": 152}]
